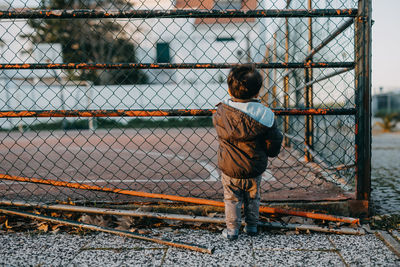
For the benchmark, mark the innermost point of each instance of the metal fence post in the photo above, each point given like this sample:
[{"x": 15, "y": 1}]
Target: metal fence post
[
  {"x": 363, "y": 99},
  {"x": 308, "y": 94},
  {"x": 274, "y": 102},
  {"x": 266, "y": 77},
  {"x": 286, "y": 82}
]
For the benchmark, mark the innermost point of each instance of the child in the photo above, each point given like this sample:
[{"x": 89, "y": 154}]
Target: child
[{"x": 247, "y": 135}]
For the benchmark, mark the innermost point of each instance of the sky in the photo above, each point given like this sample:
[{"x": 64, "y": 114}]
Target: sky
[{"x": 386, "y": 44}]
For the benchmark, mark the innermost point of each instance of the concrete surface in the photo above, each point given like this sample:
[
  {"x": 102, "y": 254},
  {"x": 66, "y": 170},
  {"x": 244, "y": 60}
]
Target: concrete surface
[{"x": 267, "y": 249}]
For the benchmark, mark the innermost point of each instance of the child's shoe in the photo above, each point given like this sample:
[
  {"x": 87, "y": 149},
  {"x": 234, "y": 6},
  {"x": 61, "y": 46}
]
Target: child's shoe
[
  {"x": 250, "y": 230},
  {"x": 230, "y": 234}
]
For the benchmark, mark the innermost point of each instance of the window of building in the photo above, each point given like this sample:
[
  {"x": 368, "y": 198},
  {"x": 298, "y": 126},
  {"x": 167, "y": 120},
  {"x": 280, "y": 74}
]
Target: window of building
[
  {"x": 227, "y": 4},
  {"x": 163, "y": 54},
  {"x": 225, "y": 39}
]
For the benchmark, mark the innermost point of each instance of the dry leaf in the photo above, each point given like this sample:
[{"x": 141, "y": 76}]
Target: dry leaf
[
  {"x": 143, "y": 232},
  {"x": 292, "y": 232},
  {"x": 173, "y": 222},
  {"x": 67, "y": 215},
  {"x": 55, "y": 228},
  {"x": 212, "y": 214},
  {"x": 6, "y": 225},
  {"x": 43, "y": 227},
  {"x": 219, "y": 227},
  {"x": 125, "y": 223},
  {"x": 197, "y": 223},
  {"x": 96, "y": 220}
]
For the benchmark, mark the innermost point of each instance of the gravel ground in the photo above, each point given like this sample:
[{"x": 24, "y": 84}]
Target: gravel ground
[
  {"x": 385, "y": 174},
  {"x": 267, "y": 249}
]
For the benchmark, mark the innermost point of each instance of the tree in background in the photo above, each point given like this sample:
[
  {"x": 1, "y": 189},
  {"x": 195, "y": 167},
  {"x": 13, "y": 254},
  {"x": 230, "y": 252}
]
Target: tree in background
[{"x": 90, "y": 41}]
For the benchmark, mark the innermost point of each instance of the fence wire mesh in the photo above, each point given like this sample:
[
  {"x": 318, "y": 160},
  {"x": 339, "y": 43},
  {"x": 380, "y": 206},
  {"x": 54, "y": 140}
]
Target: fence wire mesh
[{"x": 119, "y": 94}]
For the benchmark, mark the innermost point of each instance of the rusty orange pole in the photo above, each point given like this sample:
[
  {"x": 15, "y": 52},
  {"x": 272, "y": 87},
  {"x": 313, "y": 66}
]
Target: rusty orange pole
[
  {"x": 274, "y": 103},
  {"x": 308, "y": 94},
  {"x": 266, "y": 78},
  {"x": 286, "y": 122},
  {"x": 311, "y": 215}
]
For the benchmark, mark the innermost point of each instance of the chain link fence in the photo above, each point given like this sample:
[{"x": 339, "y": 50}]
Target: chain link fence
[{"x": 108, "y": 95}]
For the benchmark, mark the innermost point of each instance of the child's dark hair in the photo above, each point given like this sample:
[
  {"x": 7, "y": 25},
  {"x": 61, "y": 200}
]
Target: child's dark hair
[{"x": 244, "y": 81}]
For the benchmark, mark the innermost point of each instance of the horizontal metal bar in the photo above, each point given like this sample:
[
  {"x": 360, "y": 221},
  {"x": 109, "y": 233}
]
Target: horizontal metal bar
[
  {"x": 281, "y": 65},
  {"x": 332, "y": 36},
  {"x": 117, "y": 212},
  {"x": 160, "y": 113},
  {"x": 315, "y": 111},
  {"x": 330, "y": 75},
  {"x": 177, "y": 13},
  {"x": 107, "y": 113}
]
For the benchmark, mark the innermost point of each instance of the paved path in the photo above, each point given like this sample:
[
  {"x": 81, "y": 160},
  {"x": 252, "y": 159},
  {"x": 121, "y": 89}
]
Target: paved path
[
  {"x": 267, "y": 249},
  {"x": 385, "y": 174}
]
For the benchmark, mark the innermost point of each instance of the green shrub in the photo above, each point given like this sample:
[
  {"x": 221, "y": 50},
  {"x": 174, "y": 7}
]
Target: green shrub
[
  {"x": 106, "y": 123},
  {"x": 389, "y": 120}
]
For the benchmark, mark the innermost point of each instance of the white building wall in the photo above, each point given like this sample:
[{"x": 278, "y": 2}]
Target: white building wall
[{"x": 189, "y": 43}]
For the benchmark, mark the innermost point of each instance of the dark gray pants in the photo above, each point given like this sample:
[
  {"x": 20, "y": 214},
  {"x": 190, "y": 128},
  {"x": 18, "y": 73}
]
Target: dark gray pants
[{"x": 236, "y": 193}]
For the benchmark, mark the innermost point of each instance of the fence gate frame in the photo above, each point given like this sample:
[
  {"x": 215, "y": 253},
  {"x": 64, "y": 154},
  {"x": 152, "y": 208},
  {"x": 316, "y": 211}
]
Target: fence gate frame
[{"x": 361, "y": 18}]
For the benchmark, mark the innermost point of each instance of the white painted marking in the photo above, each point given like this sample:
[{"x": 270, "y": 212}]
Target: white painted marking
[
  {"x": 267, "y": 176},
  {"x": 213, "y": 173}
]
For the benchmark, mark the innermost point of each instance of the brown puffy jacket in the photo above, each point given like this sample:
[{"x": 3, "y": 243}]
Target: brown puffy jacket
[{"x": 244, "y": 143}]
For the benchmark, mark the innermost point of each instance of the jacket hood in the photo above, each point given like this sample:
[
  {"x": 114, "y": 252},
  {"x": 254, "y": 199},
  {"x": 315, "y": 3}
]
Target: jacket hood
[
  {"x": 254, "y": 109},
  {"x": 242, "y": 121}
]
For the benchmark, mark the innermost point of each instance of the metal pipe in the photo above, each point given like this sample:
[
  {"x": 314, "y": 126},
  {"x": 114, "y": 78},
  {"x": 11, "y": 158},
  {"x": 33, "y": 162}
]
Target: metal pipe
[
  {"x": 308, "y": 92},
  {"x": 330, "y": 75},
  {"x": 321, "y": 166},
  {"x": 286, "y": 121},
  {"x": 274, "y": 96},
  {"x": 282, "y": 65},
  {"x": 117, "y": 212},
  {"x": 179, "y": 217},
  {"x": 326, "y": 41},
  {"x": 176, "y": 13},
  {"x": 107, "y": 230},
  {"x": 266, "y": 77},
  {"x": 163, "y": 113},
  {"x": 320, "y": 159},
  {"x": 200, "y": 201}
]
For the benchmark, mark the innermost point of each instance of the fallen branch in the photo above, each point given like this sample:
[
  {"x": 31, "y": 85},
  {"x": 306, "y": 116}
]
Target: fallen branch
[
  {"x": 389, "y": 241},
  {"x": 107, "y": 230},
  {"x": 311, "y": 215},
  {"x": 314, "y": 228},
  {"x": 180, "y": 217}
]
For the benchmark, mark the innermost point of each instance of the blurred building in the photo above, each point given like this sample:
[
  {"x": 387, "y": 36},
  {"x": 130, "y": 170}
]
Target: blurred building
[
  {"x": 197, "y": 40},
  {"x": 386, "y": 102}
]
